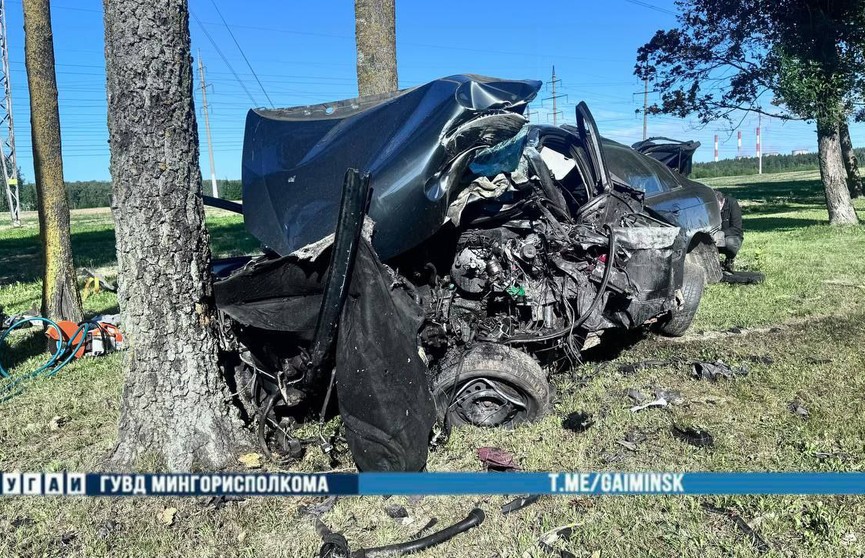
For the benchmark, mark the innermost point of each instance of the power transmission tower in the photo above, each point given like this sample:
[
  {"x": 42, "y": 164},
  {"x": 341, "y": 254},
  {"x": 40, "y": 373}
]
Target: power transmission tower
[
  {"x": 554, "y": 97},
  {"x": 207, "y": 126},
  {"x": 7, "y": 140}
]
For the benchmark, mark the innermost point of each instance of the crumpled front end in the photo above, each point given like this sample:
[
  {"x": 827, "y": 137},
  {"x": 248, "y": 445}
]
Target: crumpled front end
[
  {"x": 497, "y": 249},
  {"x": 414, "y": 143}
]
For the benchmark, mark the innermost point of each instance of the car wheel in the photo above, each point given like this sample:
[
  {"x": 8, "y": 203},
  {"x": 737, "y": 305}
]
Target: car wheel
[
  {"x": 492, "y": 385},
  {"x": 693, "y": 281}
]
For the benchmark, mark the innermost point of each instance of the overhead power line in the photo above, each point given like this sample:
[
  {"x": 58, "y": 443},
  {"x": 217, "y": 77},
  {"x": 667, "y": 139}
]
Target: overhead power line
[
  {"x": 652, "y": 7},
  {"x": 245, "y": 59},
  {"x": 222, "y": 56}
]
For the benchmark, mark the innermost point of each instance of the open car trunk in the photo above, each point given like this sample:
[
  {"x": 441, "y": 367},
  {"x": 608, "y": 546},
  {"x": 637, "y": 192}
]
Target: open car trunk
[{"x": 678, "y": 155}]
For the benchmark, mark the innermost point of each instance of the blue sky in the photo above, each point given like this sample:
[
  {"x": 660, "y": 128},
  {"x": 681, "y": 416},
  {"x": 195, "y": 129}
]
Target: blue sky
[{"x": 303, "y": 53}]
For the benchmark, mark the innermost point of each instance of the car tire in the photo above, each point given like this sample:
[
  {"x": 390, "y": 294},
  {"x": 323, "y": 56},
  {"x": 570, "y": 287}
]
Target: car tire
[
  {"x": 693, "y": 281},
  {"x": 493, "y": 385}
]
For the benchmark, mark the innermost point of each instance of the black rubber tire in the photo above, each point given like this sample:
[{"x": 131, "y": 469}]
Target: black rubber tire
[
  {"x": 507, "y": 366},
  {"x": 693, "y": 281}
]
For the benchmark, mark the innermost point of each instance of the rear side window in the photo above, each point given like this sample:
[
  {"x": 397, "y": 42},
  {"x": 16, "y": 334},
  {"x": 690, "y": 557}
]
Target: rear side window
[{"x": 631, "y": 167}]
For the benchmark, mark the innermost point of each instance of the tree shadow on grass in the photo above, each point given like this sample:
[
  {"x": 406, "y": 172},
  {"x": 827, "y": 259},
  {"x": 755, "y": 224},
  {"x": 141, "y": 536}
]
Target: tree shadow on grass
[
  {"x": 22, "y": 256},
  {"x": 232, "y": 239},
  {"x": 770, "y": 224},
  {"x": 22, "y": 260},
  {"x": 33, "y": 344},
  {"x": 785, "y": 192}
]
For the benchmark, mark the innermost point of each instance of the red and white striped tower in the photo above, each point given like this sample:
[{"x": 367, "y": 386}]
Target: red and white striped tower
[
  {"x": 716, "y": 148},
  {"x": 759, "y": 148},
  {"x": 739, "y": 145}
]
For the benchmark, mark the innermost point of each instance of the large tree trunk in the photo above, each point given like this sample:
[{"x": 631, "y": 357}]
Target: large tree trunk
[
  {"x": 833, "y": 175},
  {"x": 175, "y": 404},
  {"x": 854, "y": 179},
  {"x": 60, "y": 296},
  {"x": 375, "y": 35}
]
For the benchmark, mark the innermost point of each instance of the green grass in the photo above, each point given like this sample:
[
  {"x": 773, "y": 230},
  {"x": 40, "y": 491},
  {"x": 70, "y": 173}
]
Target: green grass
[{"x": 812, "y": 294}]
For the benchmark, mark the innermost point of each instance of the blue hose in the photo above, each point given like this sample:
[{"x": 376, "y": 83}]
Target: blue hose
[{"x": 52, "y": 366}]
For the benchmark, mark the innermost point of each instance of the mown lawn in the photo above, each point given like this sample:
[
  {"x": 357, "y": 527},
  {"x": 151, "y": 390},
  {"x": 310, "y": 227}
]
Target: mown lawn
[{"x": 803, "y": 329}]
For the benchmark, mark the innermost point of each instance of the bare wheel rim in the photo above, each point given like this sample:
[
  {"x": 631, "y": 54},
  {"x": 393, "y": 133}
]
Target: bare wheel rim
[{"x": 488, "y": 402}]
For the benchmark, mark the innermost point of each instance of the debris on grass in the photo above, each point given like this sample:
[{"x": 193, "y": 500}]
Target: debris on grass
[
  {"x": 609, "y": 458},
  {"x": 520, "y": 503},
  {"x": 396, "y": 512},
  {"x": 660, "y": 402},
  {"x": 717, "y": 370},
  {"x": 630, "y": 446},
  {"x": 693, "y": 435},
  {"x": 548, "y": 540},
  {"x": 497, "y": 459},
  {"x": 759, "y": 542},
  {"x": 320, "y": 508},
  {"x": 636, "y": 395},
  {"x": 672, "y": 397},
  {"x": 578, "y": 421},
  {"x": 798, "y": 408},
  {"x": 106, "y": 528},
  {"x": 335, "y": 545},
  {"x": 218, "y": 502}
]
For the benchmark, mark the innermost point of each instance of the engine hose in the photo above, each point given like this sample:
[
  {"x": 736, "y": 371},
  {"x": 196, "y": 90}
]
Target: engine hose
[
  {"x": 51, "y": 366},
  {"x": 475, "y": 518},
  {"x": 608, "y": 269}
]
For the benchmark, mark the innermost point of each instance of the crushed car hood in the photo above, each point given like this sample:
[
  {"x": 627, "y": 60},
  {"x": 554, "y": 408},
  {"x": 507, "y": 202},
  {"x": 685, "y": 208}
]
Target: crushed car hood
[{"x": 410, "y": 141}]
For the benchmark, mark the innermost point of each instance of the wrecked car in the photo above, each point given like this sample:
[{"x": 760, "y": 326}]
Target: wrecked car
[{"x": 431, "y": 255}]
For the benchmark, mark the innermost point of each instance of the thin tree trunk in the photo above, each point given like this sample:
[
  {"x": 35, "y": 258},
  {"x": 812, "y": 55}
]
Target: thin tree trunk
[
  {"x": 175, "y": 409},
  {"x": 60, "y": 296},
  {"x": 375, "y": 36},
  {"x": 851, "y": 164},
  {"x": 833, "y": 175}
]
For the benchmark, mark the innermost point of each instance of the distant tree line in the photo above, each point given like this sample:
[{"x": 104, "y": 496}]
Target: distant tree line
[
  {"x": 771, "y": 164},
  {"x": 97, "y": 193}
]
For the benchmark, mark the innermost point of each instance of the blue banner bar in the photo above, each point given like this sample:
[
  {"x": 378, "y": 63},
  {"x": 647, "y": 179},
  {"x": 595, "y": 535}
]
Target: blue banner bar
[
  {"x": 312, "y": 484},
  {"x": 611, "y": 483}
]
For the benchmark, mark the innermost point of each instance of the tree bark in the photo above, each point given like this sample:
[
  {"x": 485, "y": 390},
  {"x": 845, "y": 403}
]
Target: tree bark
[
  {"x": 832, "y": 173},
  {"x": 60, "y": 297},
  {"x": 375, "y": 36},
  {"x": 175, "y": 409},
  {"x": 851, "y": 164}
]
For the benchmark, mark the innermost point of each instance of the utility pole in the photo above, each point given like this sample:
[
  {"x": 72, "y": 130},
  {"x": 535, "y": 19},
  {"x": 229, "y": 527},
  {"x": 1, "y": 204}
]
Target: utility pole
[
  {"x": 553, "y": 82},
  {"x": 7, "y": 141},
  {"x": 759, "y": 146},
  {"x": 645, "y": 108},
  {"x": 207, "y": 126}
]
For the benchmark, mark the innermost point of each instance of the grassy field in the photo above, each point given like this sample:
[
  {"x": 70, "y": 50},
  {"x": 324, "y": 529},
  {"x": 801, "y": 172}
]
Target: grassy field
[{"x": 799, "y": 334}]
